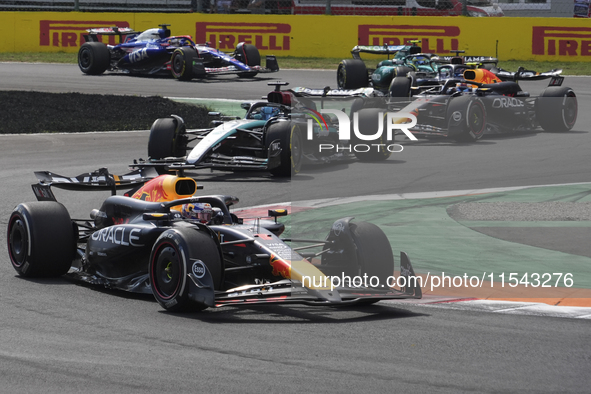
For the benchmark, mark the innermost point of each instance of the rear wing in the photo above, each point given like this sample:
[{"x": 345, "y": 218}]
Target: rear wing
[
  {"x": 380, "y": 50},
  {"x": 529, "y": 75},
  {"x": 465, "y": 59},
  {"x": 93, "y": 33},
  {"x": 100, "y": 179},
  {"x": 327, "y": 92},
  {"x": 377, "y": 49}
]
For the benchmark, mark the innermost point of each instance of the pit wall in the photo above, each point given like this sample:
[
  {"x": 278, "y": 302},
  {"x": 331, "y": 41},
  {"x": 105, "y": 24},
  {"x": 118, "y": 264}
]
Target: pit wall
[{"x": 562, "y": 39}]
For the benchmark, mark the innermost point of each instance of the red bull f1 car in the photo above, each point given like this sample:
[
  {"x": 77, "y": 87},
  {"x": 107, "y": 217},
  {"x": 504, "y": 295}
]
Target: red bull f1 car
[
  {"x": 486, "y": 102},
  {"x": 156, "y": 52},
  {"x": 191, "y": 252},
  {"x": 464, "y": 102}
]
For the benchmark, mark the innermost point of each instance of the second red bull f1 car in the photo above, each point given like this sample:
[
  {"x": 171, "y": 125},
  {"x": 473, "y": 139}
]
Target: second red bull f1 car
[{"x": 191, "y": 252}]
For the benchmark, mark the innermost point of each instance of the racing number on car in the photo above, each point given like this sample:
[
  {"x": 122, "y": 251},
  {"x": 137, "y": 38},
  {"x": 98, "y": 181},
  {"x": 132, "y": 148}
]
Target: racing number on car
[{"x": 137, "y": 56}]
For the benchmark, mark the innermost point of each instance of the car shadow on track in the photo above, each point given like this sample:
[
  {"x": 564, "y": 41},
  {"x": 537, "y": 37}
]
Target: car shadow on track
[
  {"x": 237, "y": 176},
  {"x": 444, "y": 142},
  {"x": 307, "y": 172},
  {"x": 257, "y": 314},
  {"x": 207, "y": 79},
  {"x": 488, "y": 139},
  {"x": 46, "y": 281},
  {"x": 219, "y": 79},
  {"x": 290, "y": 314}
]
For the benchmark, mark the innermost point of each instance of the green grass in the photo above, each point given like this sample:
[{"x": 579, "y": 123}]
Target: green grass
[
  {"x": 43, "y": 57},
  {"x": 569, "y": 68}
]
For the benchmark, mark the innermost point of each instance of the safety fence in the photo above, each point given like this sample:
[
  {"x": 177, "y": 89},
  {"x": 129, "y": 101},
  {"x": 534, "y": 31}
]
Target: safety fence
[{"x": 477, "y": 8}]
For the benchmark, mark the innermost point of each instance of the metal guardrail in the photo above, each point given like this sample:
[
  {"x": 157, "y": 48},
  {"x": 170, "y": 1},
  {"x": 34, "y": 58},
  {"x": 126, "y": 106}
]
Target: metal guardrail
[
  {"x": 99, "y": 6},
  {"x": 540, "y": 8}
]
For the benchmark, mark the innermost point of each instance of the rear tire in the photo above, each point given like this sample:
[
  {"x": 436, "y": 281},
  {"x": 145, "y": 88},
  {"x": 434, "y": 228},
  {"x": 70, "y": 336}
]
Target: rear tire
[
  {"x": 368, "y": 122},
  {"x": 352, "y": 74},
  {"x": 41, "y": 239},
  {"x": 181, "y": 63},
  {"x": 249, "y": 55},
  {"x": 292, "y": 144},
  {"x": 466, "y": 119},
  {"x": 557, "y": 108},
  {"x": 171, "y": 260},
  {"x": 94, "y": 58}
]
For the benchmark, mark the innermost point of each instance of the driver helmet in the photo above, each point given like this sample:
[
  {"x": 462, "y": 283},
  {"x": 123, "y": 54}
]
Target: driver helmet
[
  {"x": 419, "y": 60},
  {"x": 164, "y": 33},
  {"x": 267, "y": 113},
  {"x": 464, "y": 87},
  {"x": 197, "y": 211}
]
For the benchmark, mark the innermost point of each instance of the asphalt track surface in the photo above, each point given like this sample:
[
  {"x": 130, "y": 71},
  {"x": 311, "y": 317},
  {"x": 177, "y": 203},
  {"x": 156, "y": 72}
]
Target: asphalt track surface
[{"x": 63, "y": 338}]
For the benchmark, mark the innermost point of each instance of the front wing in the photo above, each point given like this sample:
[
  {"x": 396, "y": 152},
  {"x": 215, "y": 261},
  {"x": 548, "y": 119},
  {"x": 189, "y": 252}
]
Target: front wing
[
  {"x": 292, "y": 292},
  {"x": 200, "y": 69},
  {"x": 216, "y": 161},
  {"x": 287, "y": 292}
]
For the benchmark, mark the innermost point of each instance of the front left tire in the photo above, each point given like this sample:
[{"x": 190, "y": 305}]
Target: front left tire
[
  {"x": 466, "y": 119},
  {"x": 176, "y": 253},
  {"x": 400, "y": 88},
  {"x": 291, "y": 142},
  {"x": 167, "y": 138},
  {"x": 182, "y": 63},
  {"x": 369, "y": 122}
]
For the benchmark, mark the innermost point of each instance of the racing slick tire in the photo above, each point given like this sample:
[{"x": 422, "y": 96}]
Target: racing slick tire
[
  {"x": 291, "y": 143},
  {"x": 368, "y": 121},
  {"x": 249, "y": 55},
  {"x": 174, "y": 255},
  {"x": 400, "y": 87},
  {"x": 352, "y": 74},
  {"x": 167, "y": 139},
  {"x": 94, "y": 58},
  {"x": 466, "y": 118},
  {"x": 41, "y": 239},
  {"x": 556, "y": 109},
  {"x": 402, "y": 71},
  {"x": 181, "y": 63},
  {"x": 373, "y": 256}
]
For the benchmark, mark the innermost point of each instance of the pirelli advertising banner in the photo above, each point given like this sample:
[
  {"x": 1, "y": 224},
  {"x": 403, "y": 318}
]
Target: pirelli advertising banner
[{"x": 315, "y": 35}]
